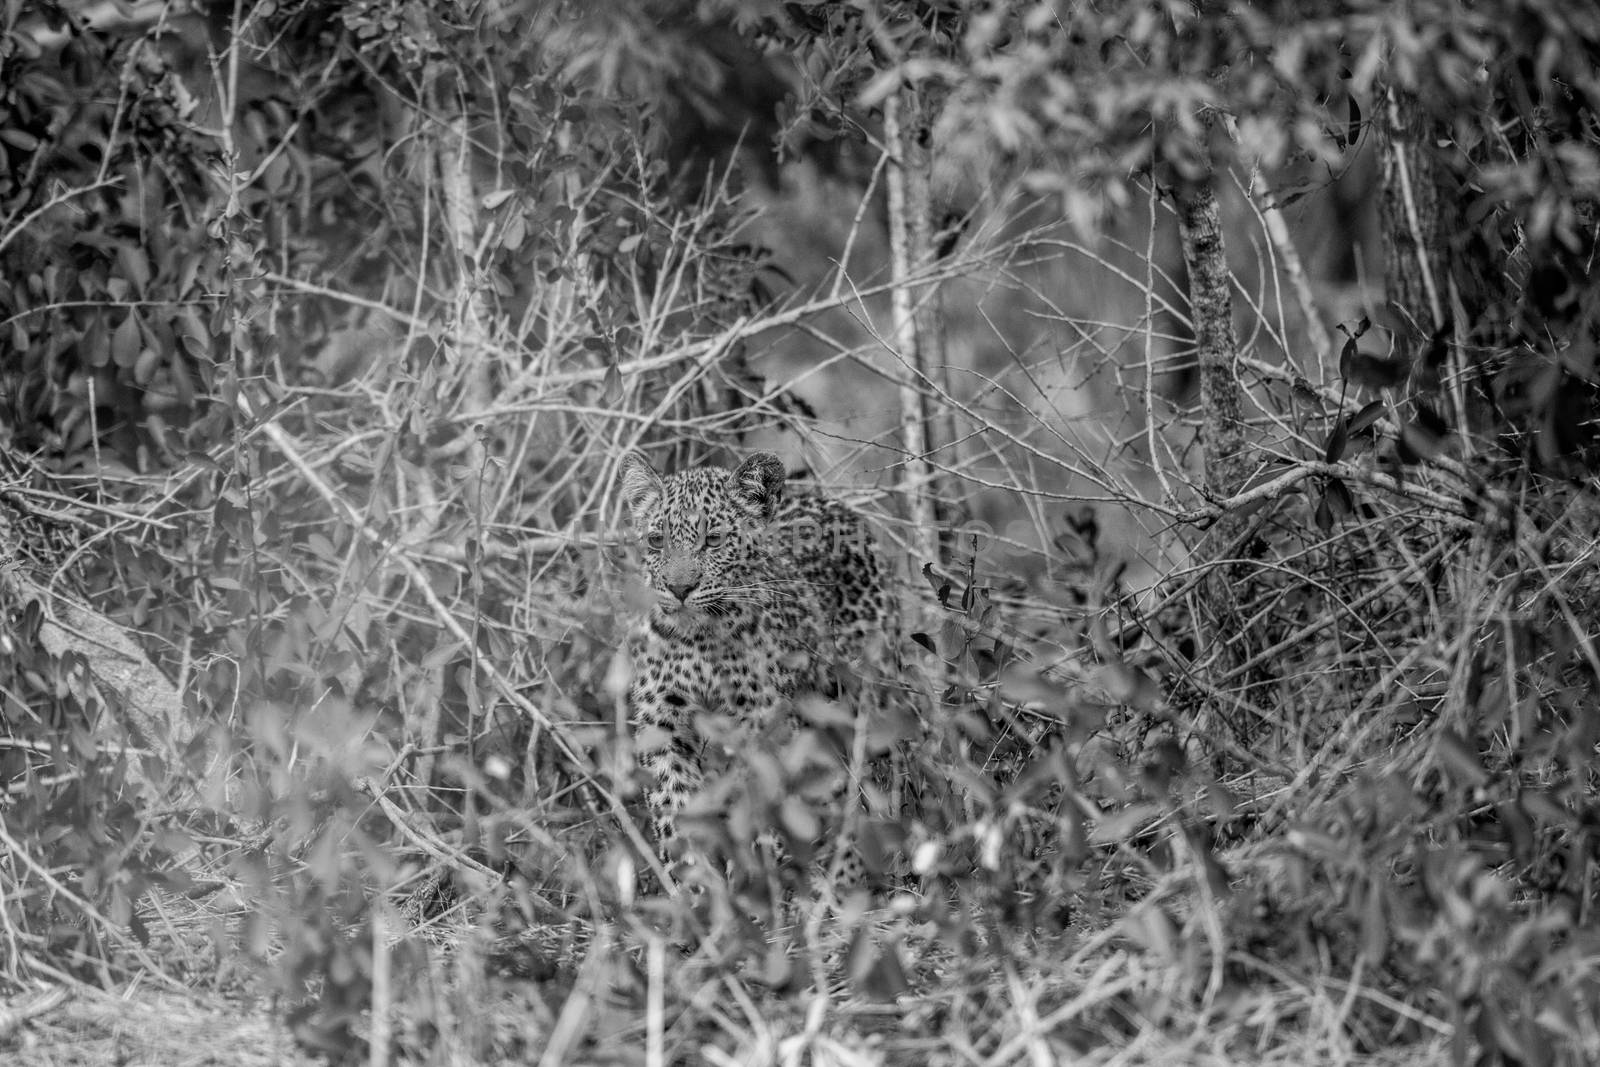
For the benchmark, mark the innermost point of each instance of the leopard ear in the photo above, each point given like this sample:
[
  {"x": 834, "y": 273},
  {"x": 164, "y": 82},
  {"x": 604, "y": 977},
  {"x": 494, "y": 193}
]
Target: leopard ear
[
  {"x": 641, "y": 485},
  {"x": 759, "y": 484}
]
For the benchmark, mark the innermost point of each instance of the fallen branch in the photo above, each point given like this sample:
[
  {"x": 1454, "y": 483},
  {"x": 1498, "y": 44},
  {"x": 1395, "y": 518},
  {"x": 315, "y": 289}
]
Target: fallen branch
[
  {"x": 31, "y": 1007},
  {"x": 152, "y": 705}
]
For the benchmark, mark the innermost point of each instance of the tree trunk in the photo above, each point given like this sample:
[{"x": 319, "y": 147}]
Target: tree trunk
[
  {"x": 1221, "y": 608},
  {"x": 905, "y": 257},
  {"x": 1412, "y": 224},
  {"x": 917, "y": 163},
  {"x": 454, "y": 161},
  {"x": 1425, "y": 280},
  {"x": 1211, "y": 306}
]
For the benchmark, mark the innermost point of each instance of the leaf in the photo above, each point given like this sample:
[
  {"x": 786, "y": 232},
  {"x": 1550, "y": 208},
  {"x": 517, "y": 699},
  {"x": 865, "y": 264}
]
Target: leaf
[
  {"x": 1459, "y": 761},
  {"x": 778, "y": 972},
  {"x": 1354, "y": 133},
  {"x": 174, "y": 841},
  {"x": 1303, "y": 393},
  {"x": 135, "y": 266},
  {"x": 515, "y": 232},
  {"x": 1124, "y": 824},
  {"x": 1374, "y": 925},
  {"x": 1518, "y": 830},
  {"x": 496, "y": 198},
  {"x": 192, "y": 335},
  {"x": 953, "y": 640},
  {"x": 1347, "y": 356},
  {"x": 1337, "y": 440},
  {"x": 125, "y": 340},
  {"x": 1340, "y": 499},
  {"x": 144, "y": 368},
  {"x": 1024, "y": 684},
  {"x": 95, "y": 346},
  {"x": 1335, "y": 506},
  {"x": 1128, "y": 685},
  {"x": 14, "y": 137},
  {"x": 800, "y": 823},
  {"x": 925, "y": 641},
  {"x": 878, "y": 89},
  {"x": 1366, "y": 417},
  {"x": 611, "y": 387},
  {"x": 885, "y": 980},
  {"x": 320, "y": 544}
]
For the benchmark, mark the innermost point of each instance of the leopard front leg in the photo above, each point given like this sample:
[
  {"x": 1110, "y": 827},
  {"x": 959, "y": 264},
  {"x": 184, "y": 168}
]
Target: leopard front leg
[
  {"x": 674, "y": 682},
  {"x": 668, "y": 749}
]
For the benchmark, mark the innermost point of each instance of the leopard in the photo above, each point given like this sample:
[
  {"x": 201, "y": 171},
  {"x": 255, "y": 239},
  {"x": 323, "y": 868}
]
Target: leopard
[{"x": 755, "y": 592}]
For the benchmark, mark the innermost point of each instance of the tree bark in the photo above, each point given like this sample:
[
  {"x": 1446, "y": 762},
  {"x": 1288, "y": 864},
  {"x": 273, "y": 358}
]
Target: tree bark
[
  {"x": 1425, "y": 279},
  {"x": 1412, "y": 224},
  {"x": 1222, "y": 439},
  {"x": 917, "y": 163},
  {"x": 917, "y": 481},
  {"x": 461, "y": 218},
  {"x": 1211, "y": 305}
]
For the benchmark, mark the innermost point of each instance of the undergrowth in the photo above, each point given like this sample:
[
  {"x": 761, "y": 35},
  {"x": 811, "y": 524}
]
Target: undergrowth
[{"x": 1299, "y": 776}]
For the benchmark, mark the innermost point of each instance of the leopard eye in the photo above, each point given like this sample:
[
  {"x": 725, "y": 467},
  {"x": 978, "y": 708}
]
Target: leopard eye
[
  {"x": 714, "y": 538},
  {"x": 655, "y": 539}
]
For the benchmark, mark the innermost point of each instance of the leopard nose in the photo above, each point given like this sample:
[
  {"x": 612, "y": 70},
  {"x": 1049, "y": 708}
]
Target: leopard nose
[{"x": 682, "y": 589}]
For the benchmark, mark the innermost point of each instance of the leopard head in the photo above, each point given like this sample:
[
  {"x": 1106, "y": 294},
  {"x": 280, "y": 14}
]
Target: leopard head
[{"x": 702, "y": 532}]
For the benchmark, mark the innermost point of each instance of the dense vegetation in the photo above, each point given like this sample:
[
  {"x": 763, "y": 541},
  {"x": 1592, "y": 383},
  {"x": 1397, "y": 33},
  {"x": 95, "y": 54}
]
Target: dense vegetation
[{"x": 1222, "y": 373}]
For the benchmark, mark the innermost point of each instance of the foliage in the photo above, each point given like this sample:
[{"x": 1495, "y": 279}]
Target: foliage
[{"x": 325, "y": 325}]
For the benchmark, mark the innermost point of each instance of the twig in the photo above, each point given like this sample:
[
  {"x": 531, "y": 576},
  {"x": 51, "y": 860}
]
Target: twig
[
  {"x": 31, "y": 1007},
  {"x": 1289, "y": 479},
  {"x": 1265, "y": 202},
  {"x": 112, "y": 930},
  {"x": 446, "y": 618},
  {"x": 54, "y": 202}
]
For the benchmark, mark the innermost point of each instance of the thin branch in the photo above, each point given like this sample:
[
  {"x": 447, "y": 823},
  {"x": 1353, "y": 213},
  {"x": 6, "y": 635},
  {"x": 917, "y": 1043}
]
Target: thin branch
[{"x": 54, "y": 202}]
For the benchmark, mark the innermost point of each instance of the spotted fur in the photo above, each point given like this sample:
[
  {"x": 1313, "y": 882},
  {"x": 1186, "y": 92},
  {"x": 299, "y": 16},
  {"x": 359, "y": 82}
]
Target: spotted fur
[{"x": 755, "y": 592}]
